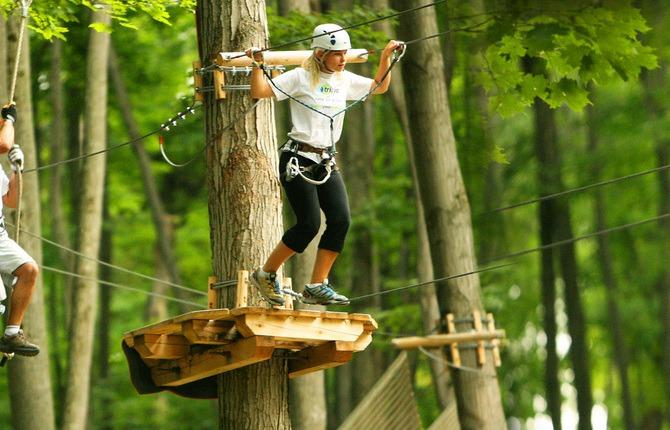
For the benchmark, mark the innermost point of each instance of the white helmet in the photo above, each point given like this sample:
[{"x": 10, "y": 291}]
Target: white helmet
[{"x": 337, "y": 41}]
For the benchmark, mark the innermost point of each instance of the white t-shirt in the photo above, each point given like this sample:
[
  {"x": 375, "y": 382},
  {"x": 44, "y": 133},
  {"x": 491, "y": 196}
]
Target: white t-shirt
[
  {"x": 329, "y": 96},
  {"x": 4, "y": 186}
]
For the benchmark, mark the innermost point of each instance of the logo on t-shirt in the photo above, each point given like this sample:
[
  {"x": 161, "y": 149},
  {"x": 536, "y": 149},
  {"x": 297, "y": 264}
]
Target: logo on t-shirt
[{"x": 328, "y": 89}]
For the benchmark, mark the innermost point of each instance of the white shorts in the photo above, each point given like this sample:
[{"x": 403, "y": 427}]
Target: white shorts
[{"x": 12, "y": 256}]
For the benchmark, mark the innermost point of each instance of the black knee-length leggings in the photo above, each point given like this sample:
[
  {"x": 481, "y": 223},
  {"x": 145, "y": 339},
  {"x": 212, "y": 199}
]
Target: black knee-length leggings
[{"x": 307, "y": 201}]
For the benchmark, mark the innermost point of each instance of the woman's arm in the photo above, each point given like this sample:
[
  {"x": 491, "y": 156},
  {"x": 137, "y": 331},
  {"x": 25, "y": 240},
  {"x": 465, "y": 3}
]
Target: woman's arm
[
  {"x": 384, "y": 64},
  {"x": 11, "y": 199},
  {"x": 6, "y": 136},
  {"x": 260, "y": 88}
]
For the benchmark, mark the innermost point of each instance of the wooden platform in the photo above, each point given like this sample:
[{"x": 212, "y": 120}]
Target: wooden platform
[{"x": 203, "y": 343}]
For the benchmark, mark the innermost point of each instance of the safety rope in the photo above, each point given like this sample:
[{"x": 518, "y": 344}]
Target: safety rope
[{"x": 25, "y": 5}]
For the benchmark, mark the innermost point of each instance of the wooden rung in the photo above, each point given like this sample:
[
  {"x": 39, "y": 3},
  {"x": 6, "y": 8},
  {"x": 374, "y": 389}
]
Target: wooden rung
[
  {"x": 495, "y": 342},
  {"x": 330, "y": 354},
  {"x": 242, "y": 292},
  {"x": 477, "y": 324},
  {"x": 451, "y": 328},
  {"x": 282, "y": 58}
]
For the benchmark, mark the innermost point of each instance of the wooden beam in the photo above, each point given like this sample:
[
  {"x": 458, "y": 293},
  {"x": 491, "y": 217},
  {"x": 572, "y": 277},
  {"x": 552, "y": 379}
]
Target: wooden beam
[
  {"x": 282, "y": 58},
  {"x": 161, "y": 346},
  {"x": 437, "y": 340},
  {"x": 477, "y": 324},
  {"x": 495, "y": 342},
  {"x": 197, "y": 81},
  {"x": 330, "y": 354},
  {"x": 451, "y": 328},
  {"x": 213, "y": 361},
  {"x": 242, "y": 292}
]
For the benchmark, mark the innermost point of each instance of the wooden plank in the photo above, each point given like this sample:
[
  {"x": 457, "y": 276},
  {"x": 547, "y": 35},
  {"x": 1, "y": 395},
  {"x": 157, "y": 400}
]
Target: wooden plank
[
  {"x": 161, "y": 346},
  {"x": 242, "y": 292},
  {"x": 213, "y": 361},
  {"x": 205, "y": 314},
  {"x": 285, "y": 58},
  {"x": 206, "y": 332},
  {"x": 163, "y": 327},
  {"x": 437, "y": 340},
  {"x": 330, "y": 354},
  {"x": 298, "y": 327},
  {"x": 212, "y": 293}
]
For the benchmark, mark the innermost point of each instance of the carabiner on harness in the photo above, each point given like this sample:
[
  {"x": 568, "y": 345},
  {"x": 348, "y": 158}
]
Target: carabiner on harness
[{"x": 294, "y": 169}]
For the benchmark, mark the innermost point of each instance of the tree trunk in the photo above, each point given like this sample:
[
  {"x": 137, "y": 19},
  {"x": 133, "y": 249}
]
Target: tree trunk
[
  {"x": 29, "y": 378},
  {"x": 158, "y": 215},
  {"x": 619, "y": 347},
  {"x": 104, "y": 399},
  {"x": 244, "y": 205},
  {"x": 555, "y": 215},
  {"x": 655, "y": 82},
  {"x": 447, "y": 211},
  {"x": 59, "y": 299},
  {"x": 93, "y": 179}
]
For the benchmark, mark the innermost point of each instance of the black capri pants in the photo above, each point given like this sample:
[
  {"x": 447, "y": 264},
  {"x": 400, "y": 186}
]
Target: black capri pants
[{"x": 307, "y": 200}]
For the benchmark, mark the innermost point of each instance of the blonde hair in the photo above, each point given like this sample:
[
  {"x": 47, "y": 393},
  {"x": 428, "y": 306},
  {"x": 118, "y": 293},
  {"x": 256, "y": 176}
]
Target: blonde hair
[{"x": 313, "y": 66}]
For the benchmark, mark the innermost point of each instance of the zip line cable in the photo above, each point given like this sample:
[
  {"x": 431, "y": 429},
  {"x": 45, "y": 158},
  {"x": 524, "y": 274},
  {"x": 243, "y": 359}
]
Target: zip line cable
[
  {"x": 360, "y": 24},
  {"x": 123, "y": 287},
  {"x": 578, "y": 189},
  {"x": 518, "y": 254},
  {"x": 111, "y": 266}
]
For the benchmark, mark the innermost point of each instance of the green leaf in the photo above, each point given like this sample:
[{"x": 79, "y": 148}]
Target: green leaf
[{"x": 100, "y": 27}]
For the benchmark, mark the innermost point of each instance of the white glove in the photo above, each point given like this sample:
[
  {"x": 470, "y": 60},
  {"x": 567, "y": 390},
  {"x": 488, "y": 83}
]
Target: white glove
[{"x": 16, "y": 157}]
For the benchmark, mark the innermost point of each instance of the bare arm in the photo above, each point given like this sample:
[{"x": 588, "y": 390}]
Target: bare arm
[
  {"x": 384, "y": 65},
  {"x": 6, "y": 136},
  {"x": 11, "y": 199},
  {"x": 260, "y": 88}
]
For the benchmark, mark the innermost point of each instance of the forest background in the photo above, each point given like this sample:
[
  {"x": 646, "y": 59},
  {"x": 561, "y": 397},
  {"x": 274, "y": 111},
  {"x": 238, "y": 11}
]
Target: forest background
[{"x": 600, "y": 66}]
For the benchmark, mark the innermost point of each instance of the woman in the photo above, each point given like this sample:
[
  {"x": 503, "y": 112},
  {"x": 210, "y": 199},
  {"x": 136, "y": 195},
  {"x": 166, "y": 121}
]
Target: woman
[{"x": 318, "y": 91}]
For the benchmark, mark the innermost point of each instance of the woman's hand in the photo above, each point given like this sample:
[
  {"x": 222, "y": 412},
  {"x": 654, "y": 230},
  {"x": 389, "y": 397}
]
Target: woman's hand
[
  {"x": 255, "y": 54},
  {"x": 391, "y": 46}
]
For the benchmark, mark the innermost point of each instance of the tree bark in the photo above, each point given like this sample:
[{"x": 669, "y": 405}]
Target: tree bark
[
  {"x": 619, "y": 347},
  {"x": 555, "y": 215},
  {"x": 104, "y": 400},
  {"x": 244, "y": 205},
  {"x": 29, "y": 378},
  {"x": 93, "y": 179},
  {"x": 447, "y": 211},
  {"x": 59, "y": 299}
]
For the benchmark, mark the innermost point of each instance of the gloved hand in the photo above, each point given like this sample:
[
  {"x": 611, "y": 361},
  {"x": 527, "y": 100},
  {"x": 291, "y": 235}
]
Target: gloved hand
[
  {"x": 16, "y": 157},
  {"x": 9, "y": 112}
]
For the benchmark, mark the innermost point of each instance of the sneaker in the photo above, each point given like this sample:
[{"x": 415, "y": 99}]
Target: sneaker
[
  {"x": 323, "y": 294},
  {"x": 268, "y": 285},
  {"x": 18, "y": 344}
]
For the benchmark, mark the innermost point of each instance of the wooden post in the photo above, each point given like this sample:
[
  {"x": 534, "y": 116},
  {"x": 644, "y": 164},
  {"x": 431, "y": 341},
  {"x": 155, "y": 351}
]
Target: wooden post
[
  {"x": 212, "y": 293},
  {"x": 494, "y": 342},
  {"x": 197, "y": 81},
  {"x": 451, "y": 328},
  {"x": 219, "y": 81},
  {"x": 242, "y": 293},
  {"x": 287, "y": 283},
  {"x": 477, "y": 323}
]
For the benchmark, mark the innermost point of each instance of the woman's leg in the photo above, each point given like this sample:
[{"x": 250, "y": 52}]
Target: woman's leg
[
  {"x": 325, "y": 259},
  {"x": 279, "y": 255}
]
